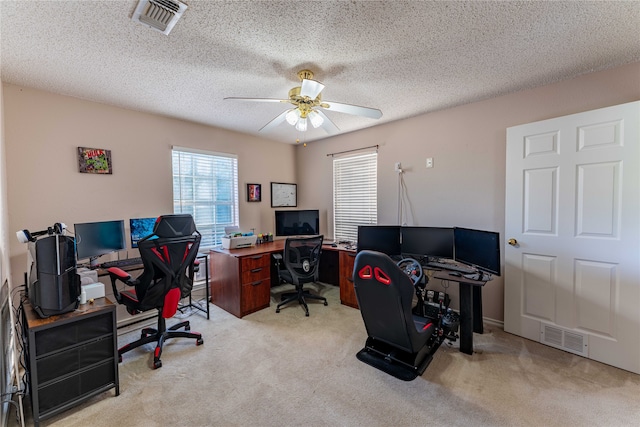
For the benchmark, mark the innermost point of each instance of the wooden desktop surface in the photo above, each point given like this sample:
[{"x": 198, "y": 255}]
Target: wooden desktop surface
[
  {"x": 35, "y": 321},
  {"x": 273, "y": 247}
]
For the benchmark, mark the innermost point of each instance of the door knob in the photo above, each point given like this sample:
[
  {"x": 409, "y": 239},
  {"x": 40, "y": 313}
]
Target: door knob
[{"x": 512, "y": 242}]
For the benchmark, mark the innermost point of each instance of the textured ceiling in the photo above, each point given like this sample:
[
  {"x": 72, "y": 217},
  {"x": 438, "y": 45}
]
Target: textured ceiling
[{"x": 403, "y": 57}]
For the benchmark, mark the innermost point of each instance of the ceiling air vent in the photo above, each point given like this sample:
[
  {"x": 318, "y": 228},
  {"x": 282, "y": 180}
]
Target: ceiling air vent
[{"x": 160, "y": 15}]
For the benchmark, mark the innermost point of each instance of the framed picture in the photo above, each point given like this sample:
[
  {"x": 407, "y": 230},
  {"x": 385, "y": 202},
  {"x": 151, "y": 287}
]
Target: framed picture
[
  {"x": 94, "y": 160},
  {"x": 283, "y": 194},
  {"x": 254, "y": 193}
]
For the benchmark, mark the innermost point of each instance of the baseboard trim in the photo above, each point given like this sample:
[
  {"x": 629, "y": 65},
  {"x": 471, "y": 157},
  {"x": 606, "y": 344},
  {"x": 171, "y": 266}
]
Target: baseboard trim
[{"x": 494, "y": 322}]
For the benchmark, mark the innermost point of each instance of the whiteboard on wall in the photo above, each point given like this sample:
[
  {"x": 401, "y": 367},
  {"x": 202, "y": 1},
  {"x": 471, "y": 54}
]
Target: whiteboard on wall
[{"x": 283, "y": 194}]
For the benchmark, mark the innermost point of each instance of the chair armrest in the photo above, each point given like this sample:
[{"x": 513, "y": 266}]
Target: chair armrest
[
  {"x": 116, "y": 274},
  {"x": 277, "y": 257}
]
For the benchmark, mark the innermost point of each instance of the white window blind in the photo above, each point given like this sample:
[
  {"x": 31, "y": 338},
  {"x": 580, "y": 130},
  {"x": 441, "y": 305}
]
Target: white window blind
[
  {"x": 205, "y": 185},
  {"x": 355, "y": 194}
]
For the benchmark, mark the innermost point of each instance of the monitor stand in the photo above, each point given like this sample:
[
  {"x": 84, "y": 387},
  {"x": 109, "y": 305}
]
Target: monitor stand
[{"x": 93, "y": 262}]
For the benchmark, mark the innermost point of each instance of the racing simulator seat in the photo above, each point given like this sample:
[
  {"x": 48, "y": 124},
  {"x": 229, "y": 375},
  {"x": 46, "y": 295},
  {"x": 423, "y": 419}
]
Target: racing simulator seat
[
  {"x": 301, "y": 261},
  {"x": 399, "y": 343},
  {"x": 168, "y": 256}
]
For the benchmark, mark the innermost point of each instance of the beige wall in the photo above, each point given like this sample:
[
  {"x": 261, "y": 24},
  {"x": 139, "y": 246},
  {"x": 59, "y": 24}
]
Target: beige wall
[
  {"x": 4, "y": 236},
  {"x": 466, "y": 185},
  {"x": 43, "y": 131}
]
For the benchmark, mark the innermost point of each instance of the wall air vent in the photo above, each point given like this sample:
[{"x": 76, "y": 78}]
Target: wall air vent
[
  {"x": 564, "y": 339},
  {"x": 161, "y": 15}
]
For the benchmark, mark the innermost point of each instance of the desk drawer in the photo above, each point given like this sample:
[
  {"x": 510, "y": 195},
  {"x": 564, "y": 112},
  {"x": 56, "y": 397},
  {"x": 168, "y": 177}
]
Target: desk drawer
[
  {"x": 256, "y": 295},
  {"x": 256, "y": 274},
  {"x": 255, "y": 261}
]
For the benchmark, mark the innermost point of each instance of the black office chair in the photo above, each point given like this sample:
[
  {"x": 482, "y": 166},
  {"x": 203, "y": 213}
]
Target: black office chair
[
  {"x": 301, "y": 261},
  {"x": 399, "y": 343},
  {"x": 168, "y": 256}
]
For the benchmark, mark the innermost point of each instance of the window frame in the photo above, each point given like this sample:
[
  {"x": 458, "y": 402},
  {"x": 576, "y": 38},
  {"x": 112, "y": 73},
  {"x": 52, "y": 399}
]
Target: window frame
[
  {"x": 351, "y": 206},
  {"x": 205, "y": 212}
]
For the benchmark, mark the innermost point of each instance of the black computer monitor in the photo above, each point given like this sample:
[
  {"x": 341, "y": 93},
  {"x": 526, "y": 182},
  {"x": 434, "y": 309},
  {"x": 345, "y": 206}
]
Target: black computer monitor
[
  {"x": 94, "y": 239},
  {"x": 140, "y": 227},
  {"x": 298, "y": 223},
  {"x": 477, "y": 248},
  {"x": 421, "y": 242},
  {"x": 380, "y": 238}
]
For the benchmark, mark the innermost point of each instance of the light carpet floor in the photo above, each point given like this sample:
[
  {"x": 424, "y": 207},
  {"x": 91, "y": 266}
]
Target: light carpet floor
[{"x": 286, "y": 369}]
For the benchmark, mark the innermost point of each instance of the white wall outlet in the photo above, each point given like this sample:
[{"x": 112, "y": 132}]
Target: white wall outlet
[{"x": 429, "y": 162}]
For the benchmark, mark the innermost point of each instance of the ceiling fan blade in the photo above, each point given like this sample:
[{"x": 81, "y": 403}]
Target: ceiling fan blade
[
  {"x": 275, "y": 122},
  {"x": 327, "y": 124},
  {"x": 311, "y": 88},
  {"x": 356, "y": 110},
  {"x": 233, "y": 98}
]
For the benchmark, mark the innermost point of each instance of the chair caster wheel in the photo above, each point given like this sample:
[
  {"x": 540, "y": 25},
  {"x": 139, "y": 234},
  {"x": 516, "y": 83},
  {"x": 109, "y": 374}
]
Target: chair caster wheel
[
  {"x": 306, "y": 314},
  {"x": 119, "y": 358},
  {"x": 157, "y": 364},
  {"x": 199, "y": 341},
  {"x": 277, "y": 310},
  {"x": 326, "y": 303}
]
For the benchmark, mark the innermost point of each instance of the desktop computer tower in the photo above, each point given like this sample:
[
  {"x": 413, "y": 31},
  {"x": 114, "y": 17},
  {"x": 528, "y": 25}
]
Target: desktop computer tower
[{"x": 53, "y": 282}]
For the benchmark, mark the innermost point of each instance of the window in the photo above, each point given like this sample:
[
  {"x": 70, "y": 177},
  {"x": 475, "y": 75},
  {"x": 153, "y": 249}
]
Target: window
[
  {"x": 355, "y": 194},
  {"x": 205, "y": 185}
]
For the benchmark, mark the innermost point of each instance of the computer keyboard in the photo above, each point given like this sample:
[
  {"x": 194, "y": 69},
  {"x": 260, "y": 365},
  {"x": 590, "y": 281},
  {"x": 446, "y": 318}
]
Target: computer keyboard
[
  {"x": 122, "y": 262},
  {"x": 451, "y": 267}
]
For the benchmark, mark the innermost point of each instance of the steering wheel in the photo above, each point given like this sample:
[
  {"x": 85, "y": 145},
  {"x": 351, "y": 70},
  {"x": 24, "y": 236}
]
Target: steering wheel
[{"x": 412, "y": 268}]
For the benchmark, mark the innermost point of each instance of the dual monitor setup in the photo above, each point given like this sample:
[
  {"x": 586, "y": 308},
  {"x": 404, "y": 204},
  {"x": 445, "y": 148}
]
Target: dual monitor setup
[
  {"x": 94, "y": 239},
  {"x": 478, "y": 249}
]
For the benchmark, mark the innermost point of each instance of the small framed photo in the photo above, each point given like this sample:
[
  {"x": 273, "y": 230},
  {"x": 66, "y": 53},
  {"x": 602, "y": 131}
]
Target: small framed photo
[
  {"x": 254, "y": 193},
  {"x": 94, "y": 160}
]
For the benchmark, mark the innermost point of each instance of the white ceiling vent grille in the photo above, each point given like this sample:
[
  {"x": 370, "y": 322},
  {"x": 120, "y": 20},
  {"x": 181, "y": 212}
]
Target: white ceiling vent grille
[
  {"x": 564, "y": 339},
  {"x": 160, "y": 15}
]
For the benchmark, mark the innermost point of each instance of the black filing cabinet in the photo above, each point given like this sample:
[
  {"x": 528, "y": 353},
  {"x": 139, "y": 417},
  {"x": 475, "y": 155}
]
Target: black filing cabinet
[{"x": 70, "y": 357}]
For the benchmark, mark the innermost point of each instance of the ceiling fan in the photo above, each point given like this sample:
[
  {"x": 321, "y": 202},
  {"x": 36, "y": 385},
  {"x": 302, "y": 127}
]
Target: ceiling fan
[{"x": 308, "y": 106}]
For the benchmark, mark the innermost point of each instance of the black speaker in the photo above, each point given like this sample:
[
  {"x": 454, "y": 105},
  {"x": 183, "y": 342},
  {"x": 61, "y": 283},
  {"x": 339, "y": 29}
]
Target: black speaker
[{"x": 54, "y": 285}]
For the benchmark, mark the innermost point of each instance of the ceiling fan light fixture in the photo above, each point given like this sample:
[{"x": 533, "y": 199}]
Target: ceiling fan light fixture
[
  {"x": 315, "y": 118},
  {"x": 302, "y": 125},
  {"x": 307, "y": 102},
  {"x": 292, "y": 116}
]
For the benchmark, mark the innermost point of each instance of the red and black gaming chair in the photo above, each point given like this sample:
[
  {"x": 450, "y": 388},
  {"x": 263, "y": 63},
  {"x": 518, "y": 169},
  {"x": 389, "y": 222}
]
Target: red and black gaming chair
[
  {"x": 399, "y": 342},
  {"x": 168, "y": 256}
]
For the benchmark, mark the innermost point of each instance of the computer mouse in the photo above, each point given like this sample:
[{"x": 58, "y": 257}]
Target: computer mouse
[{"x": 334, "y": 245}]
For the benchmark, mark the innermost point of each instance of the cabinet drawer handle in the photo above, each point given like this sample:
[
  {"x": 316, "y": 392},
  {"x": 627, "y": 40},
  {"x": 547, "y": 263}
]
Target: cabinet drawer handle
[
  {"x": 255, "y": 270},
  {"x": 350, "y": 279},
  {"x": 351, "y": 255},
  {"x": 259, "y": 282},
  {"x": 256, "y": 257}
]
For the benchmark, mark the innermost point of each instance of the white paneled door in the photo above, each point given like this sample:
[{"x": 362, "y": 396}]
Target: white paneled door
[{"x": 572, "y": 234}]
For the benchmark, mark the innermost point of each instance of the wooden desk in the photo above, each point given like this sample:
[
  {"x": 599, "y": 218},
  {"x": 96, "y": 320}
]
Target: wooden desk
[
  {"x": 470, "y": 308},
  {"x": 241, "y": 278}
]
